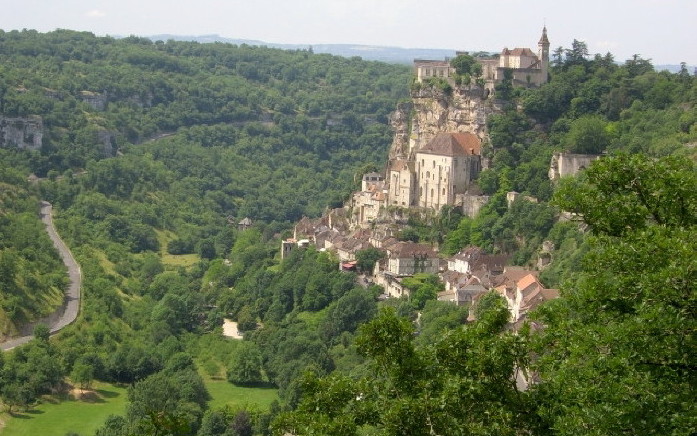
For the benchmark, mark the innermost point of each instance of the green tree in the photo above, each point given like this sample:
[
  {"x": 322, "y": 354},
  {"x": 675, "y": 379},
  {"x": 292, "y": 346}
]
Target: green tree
[
  {"x": 588, "y": 135},
  {"x": 42, "y": 332},
  {"x": 82, "y": 373},
  {"x": 366, "y": 259},
  {"x": 167, "y": 402},
  {"x": 460, "y": 384},
  {"x": 245, "y": 365},
  {"x": 628, "y": 193},
  {"x": 422, "y": 288},
  {"x": 351, "y": 310},
  {"x": 618, "y": 353}
]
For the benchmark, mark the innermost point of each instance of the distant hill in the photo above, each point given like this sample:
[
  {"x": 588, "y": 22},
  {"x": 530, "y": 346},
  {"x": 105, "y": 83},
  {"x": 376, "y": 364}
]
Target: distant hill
[
  {"x": 675, "y": 68},
  {"x": 395, "y": 55}
]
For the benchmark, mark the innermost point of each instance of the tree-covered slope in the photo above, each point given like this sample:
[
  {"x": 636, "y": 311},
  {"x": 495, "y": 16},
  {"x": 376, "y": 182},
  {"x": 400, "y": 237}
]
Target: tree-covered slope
[
  {"x": 32, "y": 276},
  {"x": 261, "y": 115}
]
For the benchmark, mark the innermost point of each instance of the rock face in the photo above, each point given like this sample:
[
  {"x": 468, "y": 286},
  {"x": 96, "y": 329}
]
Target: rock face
[
  {"x": 431, "y": 112},
  {"x": 96, "y": 100},
  {"x": 23, "y": 132},
  {"x": 108, "y": 141},
  {"x": 567, "y": 164}
]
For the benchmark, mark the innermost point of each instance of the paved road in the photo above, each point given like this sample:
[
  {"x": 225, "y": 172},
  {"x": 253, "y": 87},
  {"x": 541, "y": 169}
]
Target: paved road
[{"x": 67, "y": 313}]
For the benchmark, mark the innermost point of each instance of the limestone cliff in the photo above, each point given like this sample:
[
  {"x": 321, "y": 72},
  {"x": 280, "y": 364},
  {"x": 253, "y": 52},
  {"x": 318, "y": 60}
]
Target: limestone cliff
[
  {"x": 431, "y": 111},
  {"x": 21, "y": 132}
]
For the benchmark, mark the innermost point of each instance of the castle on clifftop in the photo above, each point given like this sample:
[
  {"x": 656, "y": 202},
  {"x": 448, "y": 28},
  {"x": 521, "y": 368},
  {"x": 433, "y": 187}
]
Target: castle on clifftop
[
  {"x": 527, "y": 68},
  {"x": 435, "y": 160}
]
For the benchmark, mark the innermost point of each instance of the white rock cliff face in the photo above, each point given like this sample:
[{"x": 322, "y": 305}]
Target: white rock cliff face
[{"x": 431, "y": 112}]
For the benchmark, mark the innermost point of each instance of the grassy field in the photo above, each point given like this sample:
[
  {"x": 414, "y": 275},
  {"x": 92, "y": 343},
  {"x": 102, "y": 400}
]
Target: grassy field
[
  {"x": 225, "y": 393},
  {"x": 56, "y": 418},
  {"x": 185, "y": 260}
]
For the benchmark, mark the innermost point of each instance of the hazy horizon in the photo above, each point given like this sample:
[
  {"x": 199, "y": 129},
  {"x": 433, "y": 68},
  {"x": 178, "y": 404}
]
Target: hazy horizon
[{"x": 656, "y": 30}]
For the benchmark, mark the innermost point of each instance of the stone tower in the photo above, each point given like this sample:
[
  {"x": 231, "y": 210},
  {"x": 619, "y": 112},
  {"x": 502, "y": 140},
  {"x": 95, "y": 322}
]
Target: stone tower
[{"x": 543, "y": 54}]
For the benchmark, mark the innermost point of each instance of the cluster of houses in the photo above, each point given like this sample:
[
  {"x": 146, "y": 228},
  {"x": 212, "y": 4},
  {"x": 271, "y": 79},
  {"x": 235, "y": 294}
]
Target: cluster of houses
[
  {"x": 467, "y": 276},
  {"x": 440, "y": 172}
]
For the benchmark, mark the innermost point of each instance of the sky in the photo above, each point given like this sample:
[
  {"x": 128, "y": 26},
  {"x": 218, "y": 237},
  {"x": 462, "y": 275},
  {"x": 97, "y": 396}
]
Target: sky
[{"x": 660, "y": 30}]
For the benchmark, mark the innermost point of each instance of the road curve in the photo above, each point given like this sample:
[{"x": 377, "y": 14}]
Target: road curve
[{"x": 68, "y": 311}]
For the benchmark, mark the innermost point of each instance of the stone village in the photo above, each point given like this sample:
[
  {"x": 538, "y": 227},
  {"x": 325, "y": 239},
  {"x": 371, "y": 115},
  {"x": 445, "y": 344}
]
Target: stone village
[{"x": 434, "y": 160}]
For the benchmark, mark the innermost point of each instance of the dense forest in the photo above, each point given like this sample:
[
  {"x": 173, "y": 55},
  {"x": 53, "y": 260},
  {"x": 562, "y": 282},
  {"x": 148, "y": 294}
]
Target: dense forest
[{"x": 153, "y": 151}]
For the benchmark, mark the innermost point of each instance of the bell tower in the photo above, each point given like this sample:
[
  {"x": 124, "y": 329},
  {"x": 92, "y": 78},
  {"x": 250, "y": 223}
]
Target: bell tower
[{"x": 543, "y": 54}]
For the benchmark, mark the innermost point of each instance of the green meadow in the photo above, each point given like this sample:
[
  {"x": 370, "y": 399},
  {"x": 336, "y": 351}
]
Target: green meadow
[{"x": 55, "y": 417}]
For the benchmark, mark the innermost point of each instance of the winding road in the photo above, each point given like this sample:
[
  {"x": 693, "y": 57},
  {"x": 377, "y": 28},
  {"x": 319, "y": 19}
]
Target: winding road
[{"x": 68, "y": 311}]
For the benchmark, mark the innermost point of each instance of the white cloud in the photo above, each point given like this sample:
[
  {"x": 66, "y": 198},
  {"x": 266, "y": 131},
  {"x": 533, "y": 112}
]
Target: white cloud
[{"x": 95, "y": 13}]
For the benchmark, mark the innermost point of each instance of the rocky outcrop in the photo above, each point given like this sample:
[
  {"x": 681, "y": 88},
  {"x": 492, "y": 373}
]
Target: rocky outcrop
[
  {"x": 21, "y": 132},
  {"x": 568, "y": 164},
  {"x": 472, "y": 204},
  {"x": 432, "y": 111},
  {"x": 96, "y": 100},
  {"x": 108, "y": 141}
]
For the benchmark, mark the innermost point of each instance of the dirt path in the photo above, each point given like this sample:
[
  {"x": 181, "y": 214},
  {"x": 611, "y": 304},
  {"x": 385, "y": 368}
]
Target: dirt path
[
  {"x": 68, "y": 311},
  {"x": 230, "y": 329}
]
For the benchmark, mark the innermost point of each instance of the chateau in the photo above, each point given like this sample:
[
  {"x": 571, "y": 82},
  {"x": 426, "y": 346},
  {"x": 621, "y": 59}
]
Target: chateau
[
  {"x": 527, "y": 68},
  {"x": 437, "y": 152}
]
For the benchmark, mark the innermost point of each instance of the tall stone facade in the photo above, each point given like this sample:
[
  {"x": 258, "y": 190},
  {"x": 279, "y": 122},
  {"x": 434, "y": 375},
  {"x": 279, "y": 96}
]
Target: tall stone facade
[
  {"x": 439, "y": 172},
  {"x": 445, "y": 167}
]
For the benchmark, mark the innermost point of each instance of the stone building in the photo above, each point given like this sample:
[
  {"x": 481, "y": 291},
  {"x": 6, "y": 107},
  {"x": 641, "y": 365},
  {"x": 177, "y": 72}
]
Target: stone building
[
  {"x": 527, "y": 67},
  {"x": 524, "y": 295},
  {"x": 426, "y": 69},
  {"x": 402, "y": 180},
  {"x": 409, "y": 258},
  {"x": 445, "y": 167},
  {"x": 439, "y": 174}
]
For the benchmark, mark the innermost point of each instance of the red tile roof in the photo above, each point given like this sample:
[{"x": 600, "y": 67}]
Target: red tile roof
[{"x": 453, "y": 144}]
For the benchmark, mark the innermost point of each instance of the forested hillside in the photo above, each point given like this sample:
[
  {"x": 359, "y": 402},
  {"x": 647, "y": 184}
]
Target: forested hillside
[
  {"x": 153, "y": 151},
  {"x": 32, "y": 276},
  {"x": 279, "y": 125},
  {"x": 592, "y": 106}
]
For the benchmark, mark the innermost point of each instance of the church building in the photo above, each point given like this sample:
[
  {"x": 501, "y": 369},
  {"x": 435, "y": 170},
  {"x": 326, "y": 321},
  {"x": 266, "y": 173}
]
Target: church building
[{"x": 440, "y": 171}]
